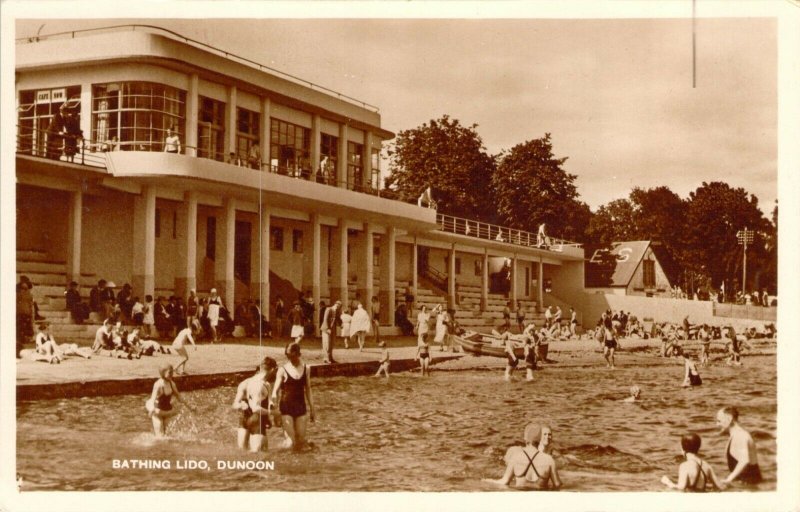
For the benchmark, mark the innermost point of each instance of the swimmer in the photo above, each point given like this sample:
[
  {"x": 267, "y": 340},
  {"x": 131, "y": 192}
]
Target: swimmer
[
  {"x": 159, "y": 406},
  {"x": 384, "y": 361},
  {"x": 635, "y": 394},
  {"x": 177, "y": 346},
  {"x": 253, "y": 398},
  {"x": 511, "y": 358},
  {"x": 691, "y": 376},
  {"x": 704, "y": 335},
  {"x": 734, "y": 351},
  {"x": 740, "y": 451},
  {"x": 531, "y": 466},
  {"x": 296, "y": 405},
  {"x": 530, "y": 357},
  {"x": 694, "y": 474},
  {"x": 609, "y": 346},
  {"x": 423, "y": 355}
]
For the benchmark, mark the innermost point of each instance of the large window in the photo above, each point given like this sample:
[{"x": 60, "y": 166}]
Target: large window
[
  {"x": 649, "y": 273},
  {"x": 211, "y": 129},
  {"x": 355, "y": 165},
  {"x": 328, "y": 159},
  {"x": 247, "y": 129},
  {"x": 35, "y": 112},
  {"x": 136, "y": 115},
  {"x": 375, "y": 179},
  {"x": 290, "y": 149}
]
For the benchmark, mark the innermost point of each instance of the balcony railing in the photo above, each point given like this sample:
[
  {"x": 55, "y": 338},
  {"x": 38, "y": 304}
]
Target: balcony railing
[
  {"x": 486, "y": 231},
  {"x": 77, "y": 150}
]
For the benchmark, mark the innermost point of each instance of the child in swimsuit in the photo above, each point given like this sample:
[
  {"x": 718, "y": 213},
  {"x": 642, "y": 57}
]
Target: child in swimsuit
[
  {"x": 423, "y": 356},
  {"x": 694, "y": 474},
  {"x": 384, "y": 361}
]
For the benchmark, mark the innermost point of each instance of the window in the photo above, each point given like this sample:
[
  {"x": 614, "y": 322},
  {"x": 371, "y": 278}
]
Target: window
[
  {"x": 211, "y": 237},
  {"x": 290, "y": 149},
  {"x": 241, "y": 255},
  {"x": 328, "y": 159},
  {"x": 276, "y": 239},
  {"x": 136, "y": 115},
  {"x": 479, "y": 267},
  {"x": 649, "y": 273},
  {"x": 355, "y": 165},
  {"x": 376, "y": 256},
  {"x": 297, "y": 240},
  {"x": 158, "y": 223},
  {"x": 375, "y": 180},
  {"x": 211, "y": 129},
  {"x": 458, "y": 266},
  {"x": 36, "y": 110},
  {"x": 247, "y": 130}
]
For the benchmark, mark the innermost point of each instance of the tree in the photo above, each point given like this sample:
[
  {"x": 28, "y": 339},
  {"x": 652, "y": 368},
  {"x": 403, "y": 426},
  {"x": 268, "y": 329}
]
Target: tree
[
  {"x": 449, "y": 158},
  {"x": 613, "y": 222},
  {"x": 714, "y": 214},
  {"x": 531, "y": 187}
]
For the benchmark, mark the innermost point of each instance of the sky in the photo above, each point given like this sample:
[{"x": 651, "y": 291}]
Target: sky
[{"x": 616, "y": 95}]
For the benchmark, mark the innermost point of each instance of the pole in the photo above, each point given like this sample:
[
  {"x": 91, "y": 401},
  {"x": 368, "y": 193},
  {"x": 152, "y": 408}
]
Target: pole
[{"x": 744, "y": 264}]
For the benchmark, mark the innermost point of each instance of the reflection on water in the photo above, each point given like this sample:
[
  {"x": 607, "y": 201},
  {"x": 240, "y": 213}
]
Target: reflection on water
[{"x": 437, "y": 434}]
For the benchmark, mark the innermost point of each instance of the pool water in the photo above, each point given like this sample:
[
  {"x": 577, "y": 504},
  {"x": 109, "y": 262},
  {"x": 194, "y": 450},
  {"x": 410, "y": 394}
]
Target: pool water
[{"x": 442, "y": 433}]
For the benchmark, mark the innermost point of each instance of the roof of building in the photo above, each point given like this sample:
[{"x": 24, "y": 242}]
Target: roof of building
[{"x": 614, "y": 266}]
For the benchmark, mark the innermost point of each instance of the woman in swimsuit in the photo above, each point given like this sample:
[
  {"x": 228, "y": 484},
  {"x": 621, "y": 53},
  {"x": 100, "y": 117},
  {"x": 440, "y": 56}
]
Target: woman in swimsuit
[
  {"x": 530, "y": 357},
  {"x": 694, "y": 474},
  {"x": 296, "y": 406},
  {"x": 159, "y": 406},
  {"x": 511, "y": 357},
  {"x": 690, "y": 377},
  {"x": 423, "y": 355},
  {"x": 531, "y": 466}
]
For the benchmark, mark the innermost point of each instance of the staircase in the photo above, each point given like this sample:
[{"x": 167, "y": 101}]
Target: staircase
[
  {"x": 49, "y": 280},
  {"x": 469, "y": 315}
]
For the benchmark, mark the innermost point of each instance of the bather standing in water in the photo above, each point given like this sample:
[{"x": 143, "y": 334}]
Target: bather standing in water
[
  {"x": 511, "y": 357},
  {"x": 253, "y": 399},
  {"x": 636, "y": 392},
  {"x": 159, "y": 406},
  {"x": 296, "y": 405},
  {"x": 740, "y": 451},
  {"x": 691, "y": 376},
  {"x": 694, "y": 474},
  {"x": 531, "y": 466}
]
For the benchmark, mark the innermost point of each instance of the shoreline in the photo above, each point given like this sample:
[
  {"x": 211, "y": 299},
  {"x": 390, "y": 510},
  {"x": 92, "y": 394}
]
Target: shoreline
[{"x": 214, "y": 365}]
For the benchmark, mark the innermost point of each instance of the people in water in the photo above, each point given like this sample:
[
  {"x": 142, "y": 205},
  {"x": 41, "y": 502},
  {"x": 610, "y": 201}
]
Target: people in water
[
  {"x": 178, "y": 346},
  {"x": 609, "y": 345},
  {"x": 159, "y": 405},
  {"x": 384, "y": 361},
  {"x": 423, "y": 355},
  {"x": 740, "y": 452},
  {"x": 694, "y": 474},
  {"x": 511, "y": 358},
  {"x": 635, "y": 394},
  {"x": 254, "y": 400},
  {"x": 530, "y": 357},
  {"x": 691, "y": 377},
  {"x": 293, "y": 385},
  {"x": 530, "y": 466}
]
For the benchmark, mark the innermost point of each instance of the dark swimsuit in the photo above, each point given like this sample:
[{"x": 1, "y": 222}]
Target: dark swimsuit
[
  {"x": 293, "y": 397},
  {"x": 256, "y": 422},
  {"x": 512, "y": 360},
  {"x": 695, "y": 486},
  {"x": 530, "y": 359},
  {"x": 423, "y": 352},
  {"x": 751, "y": 474},
  {"x": 529, "y": 466},
  {"x": 164, "y": 401},
  {"x": 694, "y": 379}
]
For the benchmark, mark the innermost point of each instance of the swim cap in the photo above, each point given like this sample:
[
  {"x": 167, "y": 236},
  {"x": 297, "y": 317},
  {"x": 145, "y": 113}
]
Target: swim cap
[
  {"x": 635, "y": 390},
  {"x": 533, "y": 433},
  {"x": 162, "y": 370}
]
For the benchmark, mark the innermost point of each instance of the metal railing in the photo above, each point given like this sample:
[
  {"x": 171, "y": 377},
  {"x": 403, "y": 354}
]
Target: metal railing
[
  {"x": 486, "y": 231},
  {"x": 222, "y": 53},
  {"x": 70, "y": 148},
  {"x": 438, "y": 278}
]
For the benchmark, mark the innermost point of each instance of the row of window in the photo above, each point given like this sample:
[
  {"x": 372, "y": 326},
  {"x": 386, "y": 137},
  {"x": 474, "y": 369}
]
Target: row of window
[{"x": 138, "y": 116}]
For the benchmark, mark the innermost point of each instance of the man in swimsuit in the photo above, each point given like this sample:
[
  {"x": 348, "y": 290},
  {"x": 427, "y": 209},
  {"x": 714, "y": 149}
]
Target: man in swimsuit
[
  {"x": 740, "y": 451},
  {"x": 694, "y": 474},
  {"x": 253, "y": 399},
  {"x": 609, "y": 346},
  {"x": 512, "y": 360},
  {"x": 531, "y": 466}
]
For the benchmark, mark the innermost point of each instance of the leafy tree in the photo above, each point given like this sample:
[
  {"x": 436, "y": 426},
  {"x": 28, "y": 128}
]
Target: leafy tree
[
  {"x": 613, "y": 222},
  {"x": 714, "y": 214},
  {"x": 530, "y": 187},
  {"x": 449, "y": 158}
]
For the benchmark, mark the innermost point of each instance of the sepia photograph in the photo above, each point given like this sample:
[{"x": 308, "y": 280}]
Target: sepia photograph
[{"x": 432, "y": 253}]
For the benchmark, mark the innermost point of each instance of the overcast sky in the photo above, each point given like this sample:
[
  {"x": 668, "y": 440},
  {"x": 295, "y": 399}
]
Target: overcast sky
[{"x": 616, "y": 95}]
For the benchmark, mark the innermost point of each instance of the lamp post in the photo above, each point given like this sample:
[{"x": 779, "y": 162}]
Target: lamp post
[{"x": 744, "y": 237}]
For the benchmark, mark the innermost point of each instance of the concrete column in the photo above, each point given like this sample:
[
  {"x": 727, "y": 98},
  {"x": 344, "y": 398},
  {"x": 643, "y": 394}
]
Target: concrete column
[
  {"x": 144, "y": 234},
  {"x": 187, "y": 280},
  {"x": 452, "y": 300},
  {"x": 315, "y": 142},
  {"x": 86, "y": 114},
  {"x": 226, "y": 246},
  {"x": 338, "y": 279},
  {"x": 316, "y": 263},
  {"x": 341, "y": 168},
  {"x": 367, "y": 158},
  {"x": 485, "y": 281},
  {"x": 74, "y": 237},
  {"x": 366, "y": 277},
  {"x": 388, "y": 262},
  {"x": 414, "y": 268},
  {"x": 512, "y": 292},
  {"x": 266, "y": 126},
  {"x": 540, "y": 288},
  {"x": 263, "y": 263},
  {"x": 230, "y": 121},
  {"x": 192, "y": 109}
]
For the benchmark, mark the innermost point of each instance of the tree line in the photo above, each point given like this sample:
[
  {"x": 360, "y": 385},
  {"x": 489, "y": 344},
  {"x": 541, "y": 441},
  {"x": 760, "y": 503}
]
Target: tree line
[{"x": 527, "y": 185}]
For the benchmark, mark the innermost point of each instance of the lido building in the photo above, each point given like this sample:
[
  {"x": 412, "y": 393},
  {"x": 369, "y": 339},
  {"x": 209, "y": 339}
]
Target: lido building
[{"x": 147, "y": 158}]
